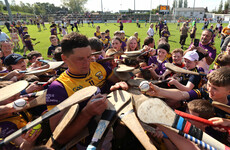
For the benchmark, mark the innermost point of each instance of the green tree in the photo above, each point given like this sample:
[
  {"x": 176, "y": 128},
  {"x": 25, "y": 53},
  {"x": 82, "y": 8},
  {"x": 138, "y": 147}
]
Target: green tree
[
  {"x": 226, "y": 7},
  {"x": 75, "y": 5},
  {"x": 220, "y": 7},
  {"x": 180, "y": 3},
  {"x": 185, "y": 3},
  {"x": 174, "y": 3}
]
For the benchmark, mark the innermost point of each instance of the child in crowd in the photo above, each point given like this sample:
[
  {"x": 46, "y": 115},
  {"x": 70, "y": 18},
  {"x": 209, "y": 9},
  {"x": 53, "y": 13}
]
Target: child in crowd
[
  {"x": 177, "y": 58},
  {"x": 96, "y": 46},
  {"x": 14, "y": 38},
  {"x": 105, "y": 41},
  {"x": 165, "y": 33},
  {"x": 117, "y": 43},
  {"x": 159, "y": 60},
  {"x": 53, "y": 46},
  {"x": 189, "y": 81},
  {"x": 107, "y": 35},
  {"x": 33, "y": 58},
  {"x": 29, "y": 45},
  {"x": 138, "y": 40},
  {"x": 123, "y": 38},
  {"x": 97, "y": 33}
]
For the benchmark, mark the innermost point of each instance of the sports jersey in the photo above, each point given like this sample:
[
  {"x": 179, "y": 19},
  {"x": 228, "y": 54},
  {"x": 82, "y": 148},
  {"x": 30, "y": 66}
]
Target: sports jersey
[
  {"x": 51, "y": 49},
  {"x": 105, "y": 42},
  {"x": 211, "y": 52},
  {"x": 97, "y": 34},
  {"x": 194, "y": 79},
  {"x": 124, "y": 39},
  {"x": 11, "y": 124},
  {"x": 68, "y": 83},
  {"x": 29, "y": 45},
  {"x": 161, "y": 67},
  {"x": 202, "y": 93},
  {"x": 53, "y": 31},
  {"x": 108, "y": 37}
]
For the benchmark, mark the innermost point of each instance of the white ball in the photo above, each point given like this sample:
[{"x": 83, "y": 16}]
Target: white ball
[
  {"x": 144, "y": 86},
  {"x": 19, "y": 104}
]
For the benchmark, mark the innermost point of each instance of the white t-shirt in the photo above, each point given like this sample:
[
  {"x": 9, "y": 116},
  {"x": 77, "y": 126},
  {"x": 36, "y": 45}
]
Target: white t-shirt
[
  {"x": 3, "y": 37},
  {"x": 150, "y": 32}
]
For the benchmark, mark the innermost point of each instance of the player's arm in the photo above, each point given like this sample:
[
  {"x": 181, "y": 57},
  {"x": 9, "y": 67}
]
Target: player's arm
[{"x": 80, "y": 122}]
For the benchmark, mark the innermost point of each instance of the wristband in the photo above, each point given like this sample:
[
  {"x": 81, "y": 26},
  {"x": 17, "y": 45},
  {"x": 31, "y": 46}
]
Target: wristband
[{"x": 19, "y": 104}]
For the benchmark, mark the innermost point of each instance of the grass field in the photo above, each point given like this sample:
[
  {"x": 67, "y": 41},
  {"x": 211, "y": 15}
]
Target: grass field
[{"x": 129, "y": 29}]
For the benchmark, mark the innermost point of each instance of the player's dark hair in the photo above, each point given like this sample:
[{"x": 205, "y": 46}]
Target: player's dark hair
[{"x": 73, "y": 40}]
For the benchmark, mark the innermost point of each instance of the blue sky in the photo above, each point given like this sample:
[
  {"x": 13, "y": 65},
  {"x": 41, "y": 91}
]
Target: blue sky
[{"x": 115, "y": 5}]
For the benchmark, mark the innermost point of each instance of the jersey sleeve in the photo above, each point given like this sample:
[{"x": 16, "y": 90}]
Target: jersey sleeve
[
  {"x": 56, "y": 93},
  {"x": 108, "y": 69}
]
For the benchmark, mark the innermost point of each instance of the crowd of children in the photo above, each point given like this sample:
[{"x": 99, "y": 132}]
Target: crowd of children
[{"x": 92, "y": 62}]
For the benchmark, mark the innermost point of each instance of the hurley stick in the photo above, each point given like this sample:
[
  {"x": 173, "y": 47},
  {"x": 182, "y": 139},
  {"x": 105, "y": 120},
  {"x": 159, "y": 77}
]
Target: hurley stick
[
  {"x": 181, "y": 70},
  {"x": 118, "y": 99},
  {"x": 73, "y": 99},
  {"x": 199, "y": 119},
  {"x": 129, "y": 118},
  {"x": 155, "y": 111},
  {"x": 221, "y": 106}
]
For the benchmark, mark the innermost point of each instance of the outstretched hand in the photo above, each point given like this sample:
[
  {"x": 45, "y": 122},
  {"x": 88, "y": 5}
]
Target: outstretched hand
[{"x": 120, "y": 85}]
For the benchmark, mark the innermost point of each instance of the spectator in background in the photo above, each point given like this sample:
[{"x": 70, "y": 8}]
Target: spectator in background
[
  {"x": 183, "y": 34},
  {"x": 53, "y": 46},
  {"x": 3, "y": 36},
  {"x": 7, "y": 24},
  {"x": 150, "y": 31}
]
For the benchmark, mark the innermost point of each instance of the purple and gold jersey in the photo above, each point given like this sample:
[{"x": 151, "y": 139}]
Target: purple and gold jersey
[
  {"x": 105, "y": 42},
  {"x": 97, "y": 34},
  {"x": 124, "y": 39},
  {"x": 161, "y": 66},
  {"x": 10, "y": 125},
  {"x": 68, "y": 83}
]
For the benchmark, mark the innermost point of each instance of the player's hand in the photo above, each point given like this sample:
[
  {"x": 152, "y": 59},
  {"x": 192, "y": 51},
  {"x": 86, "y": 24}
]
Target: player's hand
[
  {"x": 96, "y": 107},
  {"x": 120, "y": 85}
]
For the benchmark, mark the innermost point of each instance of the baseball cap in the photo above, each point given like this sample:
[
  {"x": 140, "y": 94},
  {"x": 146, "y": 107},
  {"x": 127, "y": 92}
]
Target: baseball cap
[
  {"x": 192, "y": 55},
  {"x": 12, "y": 59}
]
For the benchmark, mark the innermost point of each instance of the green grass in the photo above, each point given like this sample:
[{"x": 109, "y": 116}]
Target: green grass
[{"x": 129, "y": 29}]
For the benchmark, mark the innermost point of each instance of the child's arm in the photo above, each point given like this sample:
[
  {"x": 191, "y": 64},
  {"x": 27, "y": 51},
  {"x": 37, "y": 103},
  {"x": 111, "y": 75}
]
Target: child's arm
[{"x": 189, "y": 86}]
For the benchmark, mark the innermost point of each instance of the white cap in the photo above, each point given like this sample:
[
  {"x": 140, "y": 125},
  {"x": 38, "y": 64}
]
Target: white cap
[
  {"x": 122, "y": 31},
  {"x": 192, "y": 55}
]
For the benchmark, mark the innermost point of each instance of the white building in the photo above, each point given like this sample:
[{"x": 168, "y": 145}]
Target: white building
[{"x": 197, "y": 12}]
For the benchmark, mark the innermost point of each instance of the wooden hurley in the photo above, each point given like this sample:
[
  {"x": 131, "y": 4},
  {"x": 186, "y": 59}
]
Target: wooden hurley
[
  {"x": 117, "y": 100},
  {"x": 129, "y": 118},
  {"x": 176, "y": 69},
  {"x": 84, "y": 93},
  {"x": 221, "y": 106},
  {"x": 67, "y": 118},
  {"x": 124, "y": 68},
  {"x": 12, "y": 89},
  {"x": 155, "y": 111},
  {"x": 105, "y": 59},
  {"x": 52, "y": 65}
]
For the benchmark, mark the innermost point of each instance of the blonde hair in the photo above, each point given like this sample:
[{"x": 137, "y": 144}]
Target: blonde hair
[{"x": 128, "y": 43}]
